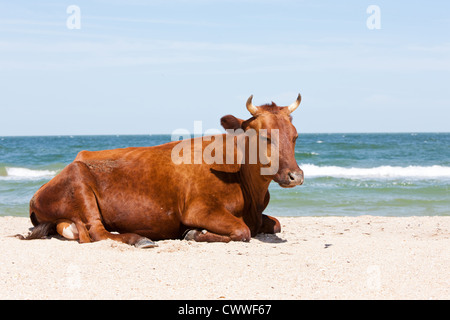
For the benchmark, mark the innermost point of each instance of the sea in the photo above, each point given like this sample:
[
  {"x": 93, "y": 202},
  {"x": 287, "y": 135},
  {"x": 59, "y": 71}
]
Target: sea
[{"x": 380, "y": 174}]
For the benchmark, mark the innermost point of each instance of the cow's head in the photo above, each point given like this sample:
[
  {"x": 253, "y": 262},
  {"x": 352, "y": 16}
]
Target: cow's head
[{"x": 270, "y": 117}]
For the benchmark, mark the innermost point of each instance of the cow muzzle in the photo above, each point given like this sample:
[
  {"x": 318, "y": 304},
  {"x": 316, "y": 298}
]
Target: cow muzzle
[{"x": 291, "y": 179}]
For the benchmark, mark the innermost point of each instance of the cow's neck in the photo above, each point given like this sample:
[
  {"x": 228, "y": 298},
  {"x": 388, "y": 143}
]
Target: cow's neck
[{"x": 254, "y": 188}]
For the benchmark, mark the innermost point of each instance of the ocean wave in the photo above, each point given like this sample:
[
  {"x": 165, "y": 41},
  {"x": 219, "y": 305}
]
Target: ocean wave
[
  {"x": 12, "y": 173},
  {"x": 306, "y": 154},
  {"x": 310, "y": 170},
  {"x": 413, "y": 172}
]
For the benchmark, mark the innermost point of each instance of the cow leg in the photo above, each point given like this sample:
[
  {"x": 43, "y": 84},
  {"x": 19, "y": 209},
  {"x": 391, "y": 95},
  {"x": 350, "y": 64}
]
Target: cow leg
[
  {"x": 98, "y": 232},
  {"x": 216, "y": 225},
  {"x": 205, "y": 236},
  {"x": 78, "y": 204},
  {"x": 270, "y": 225}
]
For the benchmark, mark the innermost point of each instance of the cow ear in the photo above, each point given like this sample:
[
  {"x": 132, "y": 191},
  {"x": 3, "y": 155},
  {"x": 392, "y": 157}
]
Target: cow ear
[{"x": 231, "y": 122}]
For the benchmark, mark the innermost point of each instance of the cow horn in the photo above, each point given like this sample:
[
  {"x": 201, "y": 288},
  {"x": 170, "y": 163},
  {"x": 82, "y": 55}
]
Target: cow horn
[
  {"x": 250, "y": 107},
  {"x": 295, "y": 105}
]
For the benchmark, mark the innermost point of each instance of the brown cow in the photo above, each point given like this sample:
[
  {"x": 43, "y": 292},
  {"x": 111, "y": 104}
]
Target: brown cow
[{"x": 141, "y": 194}]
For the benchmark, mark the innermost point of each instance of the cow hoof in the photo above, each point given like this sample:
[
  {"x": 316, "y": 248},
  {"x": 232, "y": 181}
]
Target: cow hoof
[
  {"x": 145, "y": 243},
  {"x": 191, "y": 235}
]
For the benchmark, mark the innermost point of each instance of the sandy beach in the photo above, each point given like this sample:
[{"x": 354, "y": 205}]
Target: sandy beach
[{"x": 362, "y": 257}]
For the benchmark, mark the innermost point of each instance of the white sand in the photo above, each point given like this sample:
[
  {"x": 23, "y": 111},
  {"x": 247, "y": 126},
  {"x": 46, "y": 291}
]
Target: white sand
[{"x": 313, "y": 258}]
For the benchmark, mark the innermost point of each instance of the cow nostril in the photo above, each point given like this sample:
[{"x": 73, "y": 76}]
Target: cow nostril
[{"x": 291, "y": 176}]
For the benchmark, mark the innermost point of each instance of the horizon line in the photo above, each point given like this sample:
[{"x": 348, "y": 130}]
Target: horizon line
[{"x": 168, "y": 134}]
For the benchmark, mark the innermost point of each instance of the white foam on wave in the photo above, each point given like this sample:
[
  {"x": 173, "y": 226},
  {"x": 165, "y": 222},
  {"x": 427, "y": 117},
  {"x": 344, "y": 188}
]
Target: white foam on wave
[
  {"x": 310, "y": 170},
  {"x": 27, "y": 174},
  {"x": 414, "y": 172}
]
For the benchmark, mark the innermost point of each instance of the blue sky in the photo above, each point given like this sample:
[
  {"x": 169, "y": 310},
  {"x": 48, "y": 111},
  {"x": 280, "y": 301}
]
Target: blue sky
[{"x": 146, "y": 67}]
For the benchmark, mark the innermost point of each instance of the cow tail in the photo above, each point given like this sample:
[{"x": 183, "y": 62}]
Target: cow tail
[{"x": 40, "y": 230}]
